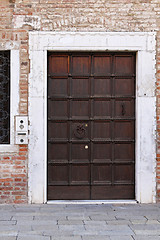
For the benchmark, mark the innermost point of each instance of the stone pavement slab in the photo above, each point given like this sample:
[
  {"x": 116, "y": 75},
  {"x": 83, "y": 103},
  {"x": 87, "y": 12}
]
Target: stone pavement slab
[
  {"x": 31, "y": 237},
  {"x": 80, "y": 222},
  {"x": 66, "y": 238},
  {"x": 95, "y": 238},
  {"x": 146, "y": 229},
  {"x": 7, "y": 238},
  {"x": 146, "y": 237}
]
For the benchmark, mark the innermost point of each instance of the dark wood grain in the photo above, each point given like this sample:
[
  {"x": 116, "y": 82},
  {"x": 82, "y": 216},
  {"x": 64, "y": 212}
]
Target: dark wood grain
[{"x": 91, "y": 126}]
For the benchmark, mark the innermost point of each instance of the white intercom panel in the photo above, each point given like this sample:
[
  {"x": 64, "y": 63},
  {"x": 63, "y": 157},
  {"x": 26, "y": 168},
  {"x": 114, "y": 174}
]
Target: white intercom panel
[{"x": 21, "y": 136}]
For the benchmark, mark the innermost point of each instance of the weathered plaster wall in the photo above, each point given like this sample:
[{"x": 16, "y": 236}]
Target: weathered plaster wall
[{"x": 18, "y": 17}]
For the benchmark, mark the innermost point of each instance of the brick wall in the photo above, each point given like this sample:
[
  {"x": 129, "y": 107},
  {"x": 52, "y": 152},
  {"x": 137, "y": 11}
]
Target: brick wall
[{"x": 17, "y": 17}]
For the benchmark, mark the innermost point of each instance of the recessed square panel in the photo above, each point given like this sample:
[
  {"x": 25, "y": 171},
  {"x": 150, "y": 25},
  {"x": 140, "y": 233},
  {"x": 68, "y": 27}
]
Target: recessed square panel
[
  {"x": 80, "y": 152},
  {"x": 57, "y": 109},
  {"x": 124, "y": 152},
  {"x": 124, "y": 108},
  {"x": 80, "y": 130},
  {"x": 80, "y": 87},
  {"x": 124, "y": 65},
  {"x": 102, "y": 108},
  {"x": 58, "y": 65},
  {"x": 101, "y": 174},
  {"x": 124, "y": 86},
  {"x": 124, "y": 130},
  {"x": 57, "y": 87},
  {"x": 80, "y": 65},
  {"x": 58, "y": 152},
  {"x": 124, "y": 173},
  {"x": 58, "y": 174},
  {"x": 101, "y": 130},
  {"x": 102, "y": 152},
  {"x": 57, "y": 130},
  {"x": 80, "y": 174},
  {"x": 102, "y": 87},
  {"x": 102, "y": 65},
  {"x": 80, "y": 108}
]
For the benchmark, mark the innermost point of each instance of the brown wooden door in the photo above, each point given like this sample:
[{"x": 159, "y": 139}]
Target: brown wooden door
[{"x": 91, "y": 125}]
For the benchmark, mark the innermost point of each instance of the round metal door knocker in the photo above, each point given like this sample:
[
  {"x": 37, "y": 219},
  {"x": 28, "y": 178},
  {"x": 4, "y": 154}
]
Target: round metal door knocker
[{"x": 79, "y": 131}]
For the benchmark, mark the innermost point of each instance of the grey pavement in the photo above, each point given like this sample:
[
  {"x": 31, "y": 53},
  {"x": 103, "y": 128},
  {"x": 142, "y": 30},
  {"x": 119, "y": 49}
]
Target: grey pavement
[{"x": 80, "y": 222}]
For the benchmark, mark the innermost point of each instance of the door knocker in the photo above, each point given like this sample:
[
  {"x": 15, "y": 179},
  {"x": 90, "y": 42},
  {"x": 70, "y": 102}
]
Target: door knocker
[{"x": 79, "y": 131}]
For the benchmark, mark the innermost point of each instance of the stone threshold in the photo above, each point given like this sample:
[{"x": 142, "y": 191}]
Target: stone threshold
[{"x": 92, "y": 202}]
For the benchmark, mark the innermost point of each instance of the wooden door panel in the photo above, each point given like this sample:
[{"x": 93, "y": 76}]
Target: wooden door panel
[
  {"x": 124, "y": 108},
  {"x": 124, "y": 65},
  {"x": 110, "y": 192},
  {"x": 123, "y": 130},
  {"x": 59, "y": 65},
  {"x": 127, "y": 178},
  {"x": 101, "y": 130},
  {"x": 91, "y": 125},
  {"x": 124, "y": 152},
  {"x": 102, "y": 152},
  {"x": 80, "y": 65},
  {"x": 57, "y": 87},
  {"x": 124, "y": 87},
  {"x": 101, "y": 174},
  {"x": 80, "y": 109},
  {"x": 80, "y": 152},
  {"x": 80, "y": 87},
  {"x": 102, "y": 87},
  {"x": 80, "y": 174},
  {"x": 58, "y": 109},
  {"x": 58, "y": 152},
  {"x": 102, "y": 108},
  {"x": 58, "y": 130},
  {"x": 58, "y": 174},
  {"x": 102, "y": 65},
  {"x": 69, "y": 192}
]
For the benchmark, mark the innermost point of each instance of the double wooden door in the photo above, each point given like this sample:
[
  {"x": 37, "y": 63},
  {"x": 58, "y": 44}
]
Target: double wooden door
[{"x": 91, "y": 125}]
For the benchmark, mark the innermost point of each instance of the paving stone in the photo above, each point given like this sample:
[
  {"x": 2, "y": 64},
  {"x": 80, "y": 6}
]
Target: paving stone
[
  {"x": 118, "y": 222},
  {"x": 67, "y": 238},
  {"x": 121, "y": 237},
  {"x": 25, "y": 233},
  {"x": 49, "y": 217},
  {"x": 2, "y": 223},
  {"x": 31, "y": 237},
  {"x": 58, "y": 233},
  {"x": 143, "y": 221},
  {"x": 8, "y": 233},
  {"x": 5, "y": 217},
  {"x": 95, "y": 223},
  {"x": 100, "y": 217},
  {"x": 37, "y": 222},
  {"x": 108, "y": 230},
  {"x": 146, "y": 237},
  {"x": 146, "y": 229},
  {"x": 15, "y": 228},
  {"x": 23, "y": 218},
  {"x": 78, "y": 218},
  {"x": 152, "y": 222},
  {"x": 71, "y": 228},
  {"x": 44, "y": 227},
  {"x": 96, "y": 237},
  {"x": 129, "y": 217},
  {"x": 70, "y": 222},
  {"x": 7, "y": 238}
]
